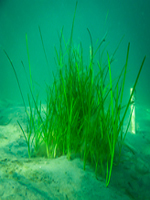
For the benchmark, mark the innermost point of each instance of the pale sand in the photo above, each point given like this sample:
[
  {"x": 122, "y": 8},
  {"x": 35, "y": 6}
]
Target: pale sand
[{"x": 41, "y": 178}]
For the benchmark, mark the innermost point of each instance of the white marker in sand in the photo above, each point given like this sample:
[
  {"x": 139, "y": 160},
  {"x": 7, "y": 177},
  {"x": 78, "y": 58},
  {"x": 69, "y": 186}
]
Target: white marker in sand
[{"x": 132, "y": 123}]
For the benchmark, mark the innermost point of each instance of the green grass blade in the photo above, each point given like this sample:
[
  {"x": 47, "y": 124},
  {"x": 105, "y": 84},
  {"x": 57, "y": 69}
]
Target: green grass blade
[{"x": 16, "y": 78}]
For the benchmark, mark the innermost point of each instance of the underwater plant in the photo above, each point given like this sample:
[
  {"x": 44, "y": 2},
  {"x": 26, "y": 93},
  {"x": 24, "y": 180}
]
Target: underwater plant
[{"x": 83, "y": 114}]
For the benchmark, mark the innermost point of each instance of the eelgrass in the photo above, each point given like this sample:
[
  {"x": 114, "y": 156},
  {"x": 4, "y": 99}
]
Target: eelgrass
[{"x": 83, "y": 115}]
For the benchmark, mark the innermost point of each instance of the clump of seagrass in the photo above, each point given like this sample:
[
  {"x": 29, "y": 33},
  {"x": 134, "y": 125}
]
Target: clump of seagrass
[{"x": 83, "y": 115}]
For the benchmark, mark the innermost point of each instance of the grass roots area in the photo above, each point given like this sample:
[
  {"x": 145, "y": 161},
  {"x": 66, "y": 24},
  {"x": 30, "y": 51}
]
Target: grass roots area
[{"x": 83, "y": 114}]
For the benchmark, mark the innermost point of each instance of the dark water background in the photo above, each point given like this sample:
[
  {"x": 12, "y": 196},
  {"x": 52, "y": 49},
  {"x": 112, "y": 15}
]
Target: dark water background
[{"x": 117, "y": 17}]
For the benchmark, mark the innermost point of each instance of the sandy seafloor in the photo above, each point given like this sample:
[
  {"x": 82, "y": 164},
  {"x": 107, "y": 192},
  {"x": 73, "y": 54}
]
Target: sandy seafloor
[{"x": 40, "y": 178}]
